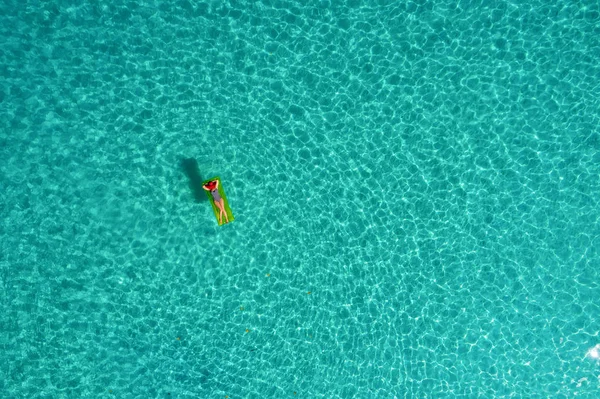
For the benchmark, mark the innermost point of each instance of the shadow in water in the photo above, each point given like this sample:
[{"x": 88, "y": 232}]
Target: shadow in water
[{"x": 190, "y": 167}]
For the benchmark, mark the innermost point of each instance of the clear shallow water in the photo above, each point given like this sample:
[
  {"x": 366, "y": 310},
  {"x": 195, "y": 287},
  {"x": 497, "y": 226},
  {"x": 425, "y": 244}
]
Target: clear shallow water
[{"x": 415, "y": 190}]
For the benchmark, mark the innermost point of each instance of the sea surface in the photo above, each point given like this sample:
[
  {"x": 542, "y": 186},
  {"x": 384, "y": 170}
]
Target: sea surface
[{"x": 415, "y": 188}]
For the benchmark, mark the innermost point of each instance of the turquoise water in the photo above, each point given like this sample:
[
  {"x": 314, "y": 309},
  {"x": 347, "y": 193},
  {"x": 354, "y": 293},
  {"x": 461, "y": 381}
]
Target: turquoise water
[{"x": 415, "y": 188}]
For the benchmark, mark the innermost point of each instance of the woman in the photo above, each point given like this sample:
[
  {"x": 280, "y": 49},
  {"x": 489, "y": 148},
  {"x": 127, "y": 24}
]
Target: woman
[{"x": 213, "y": 187}]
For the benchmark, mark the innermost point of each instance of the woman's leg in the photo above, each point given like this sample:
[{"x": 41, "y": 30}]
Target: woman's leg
[
  {"x": 223, "y": 210},
  {"x": 221, "y": 205}
]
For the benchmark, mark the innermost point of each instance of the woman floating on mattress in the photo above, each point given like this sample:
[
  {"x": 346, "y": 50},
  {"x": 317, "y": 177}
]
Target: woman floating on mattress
[{"x": 213, "y": 187}]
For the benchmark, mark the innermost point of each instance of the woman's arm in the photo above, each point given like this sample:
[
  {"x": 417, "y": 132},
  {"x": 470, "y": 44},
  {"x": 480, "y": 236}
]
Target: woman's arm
[
  {"x": 217, "y": 184},
  {"x": 204, "y": 187}
]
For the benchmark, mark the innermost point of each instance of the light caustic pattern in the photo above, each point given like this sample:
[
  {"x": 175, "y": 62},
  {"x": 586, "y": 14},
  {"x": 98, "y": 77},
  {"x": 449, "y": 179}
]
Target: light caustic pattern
[{"x": 415, "y": 186}]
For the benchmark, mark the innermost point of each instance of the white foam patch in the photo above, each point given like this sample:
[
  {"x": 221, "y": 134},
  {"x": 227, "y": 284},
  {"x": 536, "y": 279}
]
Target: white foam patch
[{"x": 594, "y": 353}]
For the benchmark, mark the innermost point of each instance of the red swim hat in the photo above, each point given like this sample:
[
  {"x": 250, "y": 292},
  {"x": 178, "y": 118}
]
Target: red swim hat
[{"x": 211, "y": 185}]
